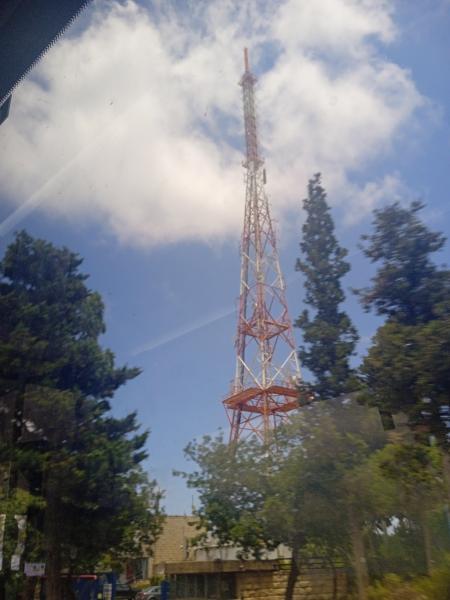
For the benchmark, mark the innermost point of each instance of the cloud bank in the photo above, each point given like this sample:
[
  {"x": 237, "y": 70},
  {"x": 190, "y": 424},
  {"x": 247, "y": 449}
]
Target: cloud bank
[{"x": 136, "y": 121}]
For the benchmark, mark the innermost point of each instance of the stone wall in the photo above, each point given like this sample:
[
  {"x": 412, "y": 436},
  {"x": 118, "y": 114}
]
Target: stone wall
[
  {"x": 254, "y": 580},
  {"x": 314, "y": 583}
]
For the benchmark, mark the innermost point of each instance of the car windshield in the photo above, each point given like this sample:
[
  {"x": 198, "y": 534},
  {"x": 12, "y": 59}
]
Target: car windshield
[{"x": 225, "y": 299}]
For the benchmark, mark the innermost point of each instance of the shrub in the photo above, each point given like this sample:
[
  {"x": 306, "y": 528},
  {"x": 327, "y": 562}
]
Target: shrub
[
  {"x": 435, "y": 587},
  {"x": 394, "y": 588}
]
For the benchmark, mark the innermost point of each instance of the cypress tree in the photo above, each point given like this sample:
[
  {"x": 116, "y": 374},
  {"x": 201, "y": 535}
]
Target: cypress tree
[{"x": 329, "y": 336}]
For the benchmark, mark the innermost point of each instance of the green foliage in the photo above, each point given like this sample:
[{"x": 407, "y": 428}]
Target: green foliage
[
  {"x": 297, "y": 492},
  {"x": 21, "y": 502},
  {"x": 435, "y": 587},
  {"x": 50, "y": 323},
  {"x": 80, "y": 465},
  {"x": 407, "y": 286},
  {"x": 395, "y": 545},
  {"x": 331, "y": 487},
  {"x": 389, "y": 369},
  {"x": 328, "y": 477},
  {"x": 233, "y": 484},
  {"x": 416, "y": 472},
  {"x": 394, "y": 588},
  {"x": 329, "y": 336},
  {"x": 406, "y": 368}
]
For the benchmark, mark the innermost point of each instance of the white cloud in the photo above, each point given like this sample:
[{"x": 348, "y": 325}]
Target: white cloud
[
  {"x": 148, "y": 105},
  {"x": 339, "y": 26},
  {"x": 365, "y": 198}
]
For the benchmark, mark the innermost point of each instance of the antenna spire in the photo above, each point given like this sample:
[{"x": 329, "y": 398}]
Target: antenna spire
[{"x": 246, "y": 63}]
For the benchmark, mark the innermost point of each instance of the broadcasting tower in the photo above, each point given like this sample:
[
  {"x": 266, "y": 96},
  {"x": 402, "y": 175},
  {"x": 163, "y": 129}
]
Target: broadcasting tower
[{"x": 266, "y": 384}]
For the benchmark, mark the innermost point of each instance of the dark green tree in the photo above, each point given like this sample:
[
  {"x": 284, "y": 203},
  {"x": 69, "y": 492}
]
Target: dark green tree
[
  {"x": 63, "y": 444},
  {"x": 407, "y": 287},
  {"x": 329, "y": 336},
  {"x": 405, "y": 368}
]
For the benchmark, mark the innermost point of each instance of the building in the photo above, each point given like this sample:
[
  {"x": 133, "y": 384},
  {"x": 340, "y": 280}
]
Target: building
[
  {"x": 174, "y": 545},
  {"x": 207, "y": 571},
  {"x": 254, "y": 580}
]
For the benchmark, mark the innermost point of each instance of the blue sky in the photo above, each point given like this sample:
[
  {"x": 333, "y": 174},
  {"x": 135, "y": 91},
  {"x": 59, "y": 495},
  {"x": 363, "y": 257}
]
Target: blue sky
[{"x": 125, "y": 144}]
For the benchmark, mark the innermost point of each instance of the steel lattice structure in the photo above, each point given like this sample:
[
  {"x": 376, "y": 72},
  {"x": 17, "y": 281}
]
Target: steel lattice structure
[{"x": 266, "y": 384}]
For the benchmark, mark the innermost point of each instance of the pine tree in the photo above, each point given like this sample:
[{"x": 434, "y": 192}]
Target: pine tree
[
  {"x": 406, "y": 367},
  {"x": 55, "y": 384},
  {"x": 329, "y": 336},
  {"x": 408, "y": 286}
]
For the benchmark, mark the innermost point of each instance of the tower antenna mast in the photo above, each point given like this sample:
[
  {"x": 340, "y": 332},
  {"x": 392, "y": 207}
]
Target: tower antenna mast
[{"x": 267, "y": 378}]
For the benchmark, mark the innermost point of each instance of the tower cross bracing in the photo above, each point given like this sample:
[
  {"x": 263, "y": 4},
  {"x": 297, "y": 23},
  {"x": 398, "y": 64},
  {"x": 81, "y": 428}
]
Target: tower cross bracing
[{"x": 266, "y": 383}]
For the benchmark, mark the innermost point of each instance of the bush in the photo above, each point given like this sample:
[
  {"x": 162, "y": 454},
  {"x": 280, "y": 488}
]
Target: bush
[
  {"x": 394, "y": 588},
  {"x": 435, "y": 587}
]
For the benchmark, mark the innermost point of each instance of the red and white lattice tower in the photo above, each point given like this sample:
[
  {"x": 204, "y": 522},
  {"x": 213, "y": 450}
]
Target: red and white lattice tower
[{"x": 266, "y": 385}]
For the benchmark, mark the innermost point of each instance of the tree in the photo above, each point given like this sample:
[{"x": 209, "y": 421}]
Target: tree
[
  {"x": 338, "y": 493},
  {"x": 416, "y": 472},
  {"x": 233, "y": 484},
  {"x": 55, "y": 385},
  {"x": 241, "y": 500},
  {"x": 329, "y": 336},
  {"x": 405, "y": 368},
  {"x": 311, "y": 491},
  {"x": 408, "y": 286}
]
